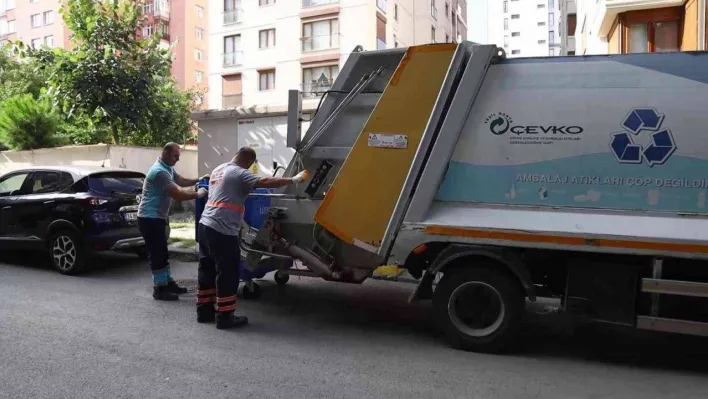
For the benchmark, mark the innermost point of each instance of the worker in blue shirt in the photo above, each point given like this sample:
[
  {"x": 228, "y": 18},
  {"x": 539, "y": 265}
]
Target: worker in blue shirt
[{"x": 162, "y": 185}]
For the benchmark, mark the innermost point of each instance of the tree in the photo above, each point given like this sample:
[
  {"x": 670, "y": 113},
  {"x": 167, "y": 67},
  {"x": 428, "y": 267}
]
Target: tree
[
  {"x": 120, "y": 83},
  {"x": 27, "y": 123},
  {"x": 17, "y": 78}
]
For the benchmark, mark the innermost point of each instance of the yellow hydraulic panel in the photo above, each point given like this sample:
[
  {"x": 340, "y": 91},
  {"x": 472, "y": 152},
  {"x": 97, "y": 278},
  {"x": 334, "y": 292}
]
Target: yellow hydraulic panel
[{"x": 359, "y": 204}]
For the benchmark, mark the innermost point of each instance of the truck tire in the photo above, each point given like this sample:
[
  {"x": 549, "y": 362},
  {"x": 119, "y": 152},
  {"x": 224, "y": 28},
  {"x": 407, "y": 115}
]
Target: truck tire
[{"x": 479, "y": 309}]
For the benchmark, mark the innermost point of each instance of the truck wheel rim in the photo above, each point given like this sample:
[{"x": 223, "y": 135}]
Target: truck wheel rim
[
  {"x": 476, "y": 309},
  {"x": 64, "y": 252}
]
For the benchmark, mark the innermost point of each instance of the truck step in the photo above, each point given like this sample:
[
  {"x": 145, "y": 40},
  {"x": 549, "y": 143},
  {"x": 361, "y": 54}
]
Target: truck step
[
  {"x": 675, "y": 287},
  {"x": 672, "y": 325}
]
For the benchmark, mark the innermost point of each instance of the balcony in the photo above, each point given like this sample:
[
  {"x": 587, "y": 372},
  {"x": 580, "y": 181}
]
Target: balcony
[
  {"x": 233, "y": 59},
  {"x": 231, "y": 100},
  {"x": 315, "y": 89},
  {"x": 315, "y": 3},
  {"x": 232, "y": 17},
  {"x": 320, "y": 43},
  {"x": 607, "y": 11},
  {"x": 161, "y": 9}
]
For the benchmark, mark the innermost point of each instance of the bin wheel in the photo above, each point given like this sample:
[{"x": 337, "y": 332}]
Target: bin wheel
[
  {"x": 251, "y": 290},
  {"x": 281, "y": 278}
]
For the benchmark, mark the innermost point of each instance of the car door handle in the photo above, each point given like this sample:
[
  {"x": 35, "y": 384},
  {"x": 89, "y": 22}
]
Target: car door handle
[
  {"x": 48, "y": 202},
  {"x": 4, "y": 208}
]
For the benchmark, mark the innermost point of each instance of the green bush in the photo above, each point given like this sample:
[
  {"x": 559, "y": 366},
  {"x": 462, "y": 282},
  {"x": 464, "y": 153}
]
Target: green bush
[{"x": 27, "y": 123}]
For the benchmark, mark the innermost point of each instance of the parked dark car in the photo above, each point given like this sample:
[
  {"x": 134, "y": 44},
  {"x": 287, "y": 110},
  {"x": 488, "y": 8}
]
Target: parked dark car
[{"x": 70, "y": 213}]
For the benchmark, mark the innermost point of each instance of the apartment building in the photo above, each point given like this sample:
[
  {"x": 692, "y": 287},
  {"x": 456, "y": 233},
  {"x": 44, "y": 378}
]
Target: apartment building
[
  {"x": 568, "y": 24},
  {"x": 260, "y": 49},
  {"x": 525, "y": 28},
  {"x": 629, "y": 26},
  {"x": 183, "y": 23}
]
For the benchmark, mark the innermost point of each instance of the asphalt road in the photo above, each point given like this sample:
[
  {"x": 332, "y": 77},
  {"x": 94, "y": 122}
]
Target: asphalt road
[{"x": 102, "y": 336}]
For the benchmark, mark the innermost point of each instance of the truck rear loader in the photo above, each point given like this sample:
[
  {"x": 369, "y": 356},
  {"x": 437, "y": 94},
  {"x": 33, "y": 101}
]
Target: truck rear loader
[{"x": 495, "y": 180}]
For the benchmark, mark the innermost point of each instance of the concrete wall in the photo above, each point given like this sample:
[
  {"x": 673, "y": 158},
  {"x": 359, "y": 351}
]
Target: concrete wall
[{"x": 133, "y": 158}]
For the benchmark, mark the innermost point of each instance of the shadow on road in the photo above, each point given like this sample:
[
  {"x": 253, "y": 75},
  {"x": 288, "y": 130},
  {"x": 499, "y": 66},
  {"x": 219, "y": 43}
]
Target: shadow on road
[
  {"x": 103, "y": 264},
  {"x": 380, "y": 310}
]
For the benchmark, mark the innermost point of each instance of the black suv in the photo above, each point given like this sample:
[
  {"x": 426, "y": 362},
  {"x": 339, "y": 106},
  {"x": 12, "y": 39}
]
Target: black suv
[{"x": 70, "y": 212}]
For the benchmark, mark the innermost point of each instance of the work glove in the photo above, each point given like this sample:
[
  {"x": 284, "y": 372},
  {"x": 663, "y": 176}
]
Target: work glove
[
  {"x": 301, "y": 177},
  {"x": 202, "y": 192}
]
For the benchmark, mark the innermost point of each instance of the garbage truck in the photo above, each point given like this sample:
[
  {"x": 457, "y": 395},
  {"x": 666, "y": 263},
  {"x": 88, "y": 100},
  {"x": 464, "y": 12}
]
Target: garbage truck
[{"x": 498, "y": 181}]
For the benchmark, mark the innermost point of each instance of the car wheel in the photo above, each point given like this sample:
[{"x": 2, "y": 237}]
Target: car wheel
[
  {"x": 479, "y": 309},
  {"x": 67, "y": 254}
]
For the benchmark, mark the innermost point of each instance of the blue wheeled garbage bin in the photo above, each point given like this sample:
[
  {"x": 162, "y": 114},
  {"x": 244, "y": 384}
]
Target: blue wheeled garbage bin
[{"x": 255, "y": 213}]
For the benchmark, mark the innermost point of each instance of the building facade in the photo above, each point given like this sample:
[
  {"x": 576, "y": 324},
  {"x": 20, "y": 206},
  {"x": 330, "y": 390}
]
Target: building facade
[
  {"x": 631, "y": 26},
  {"x": 261, "y": 49},
  {"x": 525, "y": 28},
  {"x": 568, "y": 24},
  {"x": 182, "y": 23}
]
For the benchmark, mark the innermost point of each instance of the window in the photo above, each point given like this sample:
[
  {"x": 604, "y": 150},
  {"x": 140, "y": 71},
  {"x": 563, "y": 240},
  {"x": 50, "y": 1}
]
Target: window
[
  {"x": 541, "y": 6},
  {"x": 506, "y": 6},
  {"x": 266, "y": 80},
  {"x": 11, "y": 27},
  {"x": 265, "y": 2},
  {"x": 506, "y": 23},
  {"x": 653, "y": 37},
  {"x": 34, "y": 1},
  {"x": 551, "y": 52},
  {"x": 515, "y": 34},
  {"x": 541, "y": 24},
  {"x": 9, "y": 4},
  {"x": 506, "y": 40},
  {"x": 36, "y": 20},
  {"x": 199, "y": 98},
  {"x": 572, "y": 24},
  {"x": 515, "y": 16},
  {"x": 541, "y": 42},
  {"x": 551, "y": 37},
  {"x": 571, "y": 52},
  {"x": 447, "y": 10},
  {"x": 12, "y": 184},
  {"x": 266, "y": 38},
  {"x": 433, "y": 9},
  {"x": 200, "y": 12},
  {"x": 551, "y": 19},
  {"x": 50, "y": 182},
  {"x": 198, "y": 76},
  {"x": 199, "y": 33},
  {"x": 36, "y": 43},
  {"x": 447, "y": 38},
  {"x": 395, "y": 42},
  {"x": 232, "y": 51},
  {"x": 49, "y": 41},
  {"x": 551, "y": 4},
  {"x": 163, "y": 30},
  {"x": 147, "y": 30},
  {"x": 320, "y": 35},
  {"x": 198, "y": 55},
  {"x": 432, "y": 34},
  {"x": 515, "y": 52},
  {"x": 395, "y": 12},
  {"x": 48, "y": 17},
  {"x": 316, "y": 81},
  {"x": 147, "y": 8}
]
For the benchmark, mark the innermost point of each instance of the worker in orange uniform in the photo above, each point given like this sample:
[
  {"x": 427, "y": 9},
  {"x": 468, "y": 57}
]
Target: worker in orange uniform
[{"x": 219, "y": 251}]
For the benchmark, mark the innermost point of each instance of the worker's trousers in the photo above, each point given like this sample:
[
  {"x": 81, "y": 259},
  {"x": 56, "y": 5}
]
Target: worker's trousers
[
  {"x": 219, "y": 257},
  {"x": 154, "y": 232}
]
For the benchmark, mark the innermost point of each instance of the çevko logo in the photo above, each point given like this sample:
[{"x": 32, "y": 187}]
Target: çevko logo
[
  {"x": 500, "y": 123},
  {"x": 628, "y": 149}
]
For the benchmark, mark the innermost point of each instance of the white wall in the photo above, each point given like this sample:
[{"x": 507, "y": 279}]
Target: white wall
[
  {"x": 587, "y": 42},
  {"x": 220, "y": 139},
  {"x": 132, "y": 158}
]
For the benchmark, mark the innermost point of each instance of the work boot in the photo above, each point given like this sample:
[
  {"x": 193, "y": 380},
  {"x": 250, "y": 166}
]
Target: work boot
[
  {"x": 163, "y": 293},
  {"x": 206, "y": 313},
  {"x": 229, "y": 320},
  {"x": 173, "y": 287}
]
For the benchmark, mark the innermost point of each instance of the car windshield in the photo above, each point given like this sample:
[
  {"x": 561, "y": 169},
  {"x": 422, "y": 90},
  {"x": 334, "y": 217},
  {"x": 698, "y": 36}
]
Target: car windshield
[{"x": 116, "y": 182}]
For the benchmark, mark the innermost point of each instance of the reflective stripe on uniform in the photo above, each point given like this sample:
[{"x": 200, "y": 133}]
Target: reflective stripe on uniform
[{"x": 221, "y": 204}]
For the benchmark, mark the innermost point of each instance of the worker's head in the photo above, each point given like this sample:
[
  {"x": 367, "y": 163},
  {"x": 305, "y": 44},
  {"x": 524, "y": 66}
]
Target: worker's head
[
  {"x": 245, "y": 157},
  {"x": 170, "y": 153}
]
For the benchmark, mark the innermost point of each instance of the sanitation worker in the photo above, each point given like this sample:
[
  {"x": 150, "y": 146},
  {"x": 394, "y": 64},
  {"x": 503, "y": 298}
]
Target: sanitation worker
[
  {"x": 162, "y": 184},
  {"x": 219, "y": 252}
]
